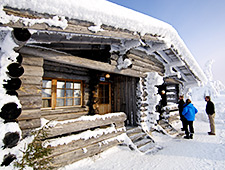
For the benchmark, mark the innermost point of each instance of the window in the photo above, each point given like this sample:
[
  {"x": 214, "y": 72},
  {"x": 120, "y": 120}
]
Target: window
[
  {"x": 61, "y": 93},
  {"x": 103, "y": 94}
]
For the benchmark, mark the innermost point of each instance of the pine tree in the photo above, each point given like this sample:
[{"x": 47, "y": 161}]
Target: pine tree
[{"x": 36, "y": 155}]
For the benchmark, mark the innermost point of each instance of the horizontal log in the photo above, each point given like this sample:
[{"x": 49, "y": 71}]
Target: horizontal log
[
  {"x": 31, "y": 102},
  {"x": 61, "y": 117},
  {"x": 77, "y": 61},
  {"x": 29, "y": 90},
  {"x": 31, "y": 80},
  {"x": 52, "y": 66},
  {"x": 32, "y": 60},
  {"x": 29, "y": 124},
  {"x": 86, "y": 123},
  {"x": 30, "y": 114},
  {"x": 146, "y": 63},
  {"x": 76, "y": 155},
  {"x": 139, "y": 55},
  {"x": 146, "y": 66},
  {"x": 65, "y": 76},
  {"x": 82, "y": 143},
  {"x": 60, "y": 68},
  {"x": 66, "y": 110},
  {"x": 33, "y": 70},
  {"x": 143, "y": 69}
]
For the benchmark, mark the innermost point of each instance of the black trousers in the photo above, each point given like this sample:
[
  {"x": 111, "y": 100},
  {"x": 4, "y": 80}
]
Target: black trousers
[{"x": 188, "y": 127}]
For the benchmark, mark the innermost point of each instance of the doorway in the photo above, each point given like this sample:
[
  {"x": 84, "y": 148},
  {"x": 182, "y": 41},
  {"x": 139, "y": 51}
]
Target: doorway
[{"x": 104, "y": 98}]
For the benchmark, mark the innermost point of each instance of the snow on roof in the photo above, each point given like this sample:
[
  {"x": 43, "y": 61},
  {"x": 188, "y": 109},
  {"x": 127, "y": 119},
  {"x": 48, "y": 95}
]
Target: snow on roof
[{"x": 103, "y": 12}]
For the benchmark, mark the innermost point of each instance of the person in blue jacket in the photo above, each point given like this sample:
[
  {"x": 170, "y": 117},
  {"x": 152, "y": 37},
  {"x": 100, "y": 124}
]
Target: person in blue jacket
[{"x": 189, "y": 112}]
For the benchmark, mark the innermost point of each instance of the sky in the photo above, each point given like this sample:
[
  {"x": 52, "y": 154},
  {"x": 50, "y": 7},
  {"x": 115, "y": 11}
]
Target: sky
[{"x": 200, "y": 23}]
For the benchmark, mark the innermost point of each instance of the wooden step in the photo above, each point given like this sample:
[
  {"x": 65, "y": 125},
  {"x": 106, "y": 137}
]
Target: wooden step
[
  {"x": 137, "y": 136},
  {"x": 133, "y": 130},
  {"x": 148, "y": 146},
  {"x": 168, "y": 127},
  {"x": 141, "y": 141}
]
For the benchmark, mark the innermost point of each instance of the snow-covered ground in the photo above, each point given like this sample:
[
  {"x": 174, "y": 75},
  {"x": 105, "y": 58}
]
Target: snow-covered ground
[{"x": 202, "y": 152}]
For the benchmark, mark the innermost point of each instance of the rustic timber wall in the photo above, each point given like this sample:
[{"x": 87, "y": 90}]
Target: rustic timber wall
[
  {"x": 105, "y": 132},
  {"x": 145, "y": 63},
  {"x": 29, "y": 93}
]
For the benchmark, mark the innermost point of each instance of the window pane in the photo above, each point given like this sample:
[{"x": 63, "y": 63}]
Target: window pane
[
  {"x": 46, "y": 103},
  {"x": 69, "y": 85},
  {"x": 60, "y": 93},
  {"x": 60, "y": 84},
  {"x": 46, "y": 83},
  {"x": 77, "y": 93},
  {"x": 69, "y": 93},
  {"x": 69, "y": 102},
  {"x": 77, "y": 101},
  {"x": 46, "y": 92},
  {"x": 76, "y": 85},
  {"x": 59, "y": 102}
]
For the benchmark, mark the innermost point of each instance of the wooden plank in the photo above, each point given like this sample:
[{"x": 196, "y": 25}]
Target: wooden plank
[
  {"x": 82, "y": 143},
  {"x": 32, "y": 60},
  {"x": 77, "y": 61},
  {"x": 31, "y": 80},
  {"x": 142, "y": 56},
  {"x": 61, "y": 117},
  {"x": 30, "y": 114},
  {"x": 65, "y": 128},
  {"x": 75, "y": 155},
  {"x": 66, "y": 110},
  {"x": 29, "y": 89},
  {"x": 29, "y": 124},
  {"x": 65, "y": 69},
  {"x": 30, "y": 70},
  {"x": 59, "y": 75},
  {"x": 31, "y": 102}
]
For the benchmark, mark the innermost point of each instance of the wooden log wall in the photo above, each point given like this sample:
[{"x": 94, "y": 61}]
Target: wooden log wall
[
  {"x": 145, "y": 63},
  {"x": 124, "y": 97},
  {"x": 141, "y": 62},
  {"x": 29, "y": 93},
  {"x": 64, "y": 154}
]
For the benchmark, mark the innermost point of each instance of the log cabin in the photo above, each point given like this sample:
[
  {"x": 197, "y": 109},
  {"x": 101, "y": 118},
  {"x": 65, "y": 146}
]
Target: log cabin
[{"x": 86, "y": 77}]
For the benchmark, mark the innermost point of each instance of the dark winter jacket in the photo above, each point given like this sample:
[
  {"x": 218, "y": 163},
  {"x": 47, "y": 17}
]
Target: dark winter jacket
[
  {"x": 180, "y": 105},
  {"x": 189, "y": 112},
  {"x": 210, "y": 109}
]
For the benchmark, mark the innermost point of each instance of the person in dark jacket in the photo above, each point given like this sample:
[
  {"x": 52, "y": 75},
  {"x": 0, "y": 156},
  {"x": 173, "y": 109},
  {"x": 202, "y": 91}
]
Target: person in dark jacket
[
  {"x": 180, "y": 107},
  {"x": 210, "y": 110},
  {"x": 189, "y": 112}
]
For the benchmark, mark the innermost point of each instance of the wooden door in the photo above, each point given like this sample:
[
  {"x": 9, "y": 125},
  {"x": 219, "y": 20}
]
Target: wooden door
[{"x": 104, "y": 98}]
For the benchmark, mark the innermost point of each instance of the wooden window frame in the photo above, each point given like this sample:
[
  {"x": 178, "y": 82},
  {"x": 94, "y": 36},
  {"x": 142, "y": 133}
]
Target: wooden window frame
[{"x": 54, "y": 93}]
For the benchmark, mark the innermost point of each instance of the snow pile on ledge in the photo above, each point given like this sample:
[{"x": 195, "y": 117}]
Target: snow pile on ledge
[
  {"x": 82, "y": 118},
  {"x": 84, "y": 136},
  {"x": 103, "y": 12}
]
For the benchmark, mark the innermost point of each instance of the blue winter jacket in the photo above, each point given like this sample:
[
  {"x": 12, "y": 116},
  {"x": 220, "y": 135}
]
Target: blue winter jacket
[{"x": 189, "y": 112}]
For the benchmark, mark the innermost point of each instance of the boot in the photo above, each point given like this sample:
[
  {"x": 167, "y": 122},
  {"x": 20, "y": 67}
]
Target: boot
[
  {"x": 186, "y": 137},
  {"x": 191, "y": 136}
]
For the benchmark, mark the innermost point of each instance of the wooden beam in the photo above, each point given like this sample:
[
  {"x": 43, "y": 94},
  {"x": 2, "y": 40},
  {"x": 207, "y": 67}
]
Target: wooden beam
[
  {"x": 61, "y": 57},
  {"x": 71, "y": 38},
  {"x": 79, "y": 125}
]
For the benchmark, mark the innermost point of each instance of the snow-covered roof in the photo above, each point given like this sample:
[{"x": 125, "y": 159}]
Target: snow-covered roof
[{"x": 103, "y": 12}]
